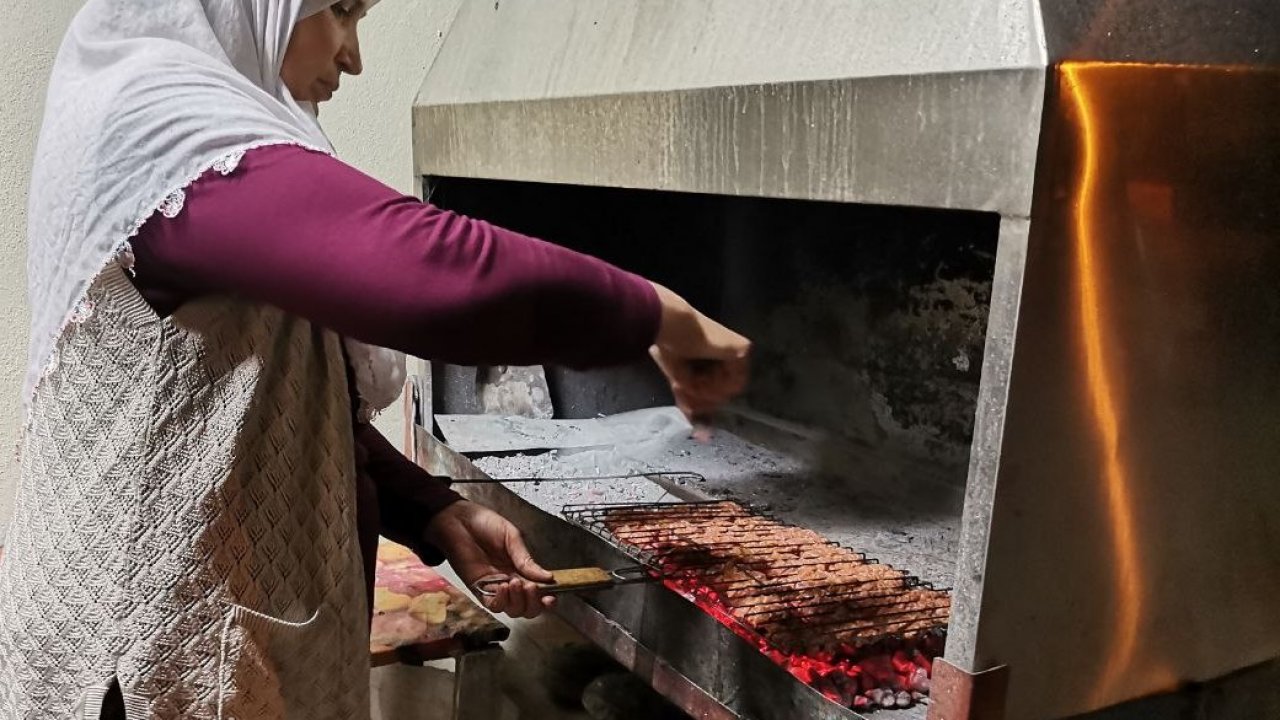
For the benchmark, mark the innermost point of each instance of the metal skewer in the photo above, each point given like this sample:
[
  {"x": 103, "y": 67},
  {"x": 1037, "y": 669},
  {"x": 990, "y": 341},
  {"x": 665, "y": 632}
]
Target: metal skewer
[{"x": 668, "y": 476}]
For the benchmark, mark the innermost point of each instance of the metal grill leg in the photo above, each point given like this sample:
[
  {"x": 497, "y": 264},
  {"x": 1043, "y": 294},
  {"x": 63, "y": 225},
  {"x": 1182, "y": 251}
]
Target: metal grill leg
[{"x": 476, "y": 693}]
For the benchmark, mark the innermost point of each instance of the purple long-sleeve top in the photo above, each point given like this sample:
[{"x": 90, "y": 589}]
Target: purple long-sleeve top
[{"x": 311, "y": 235}]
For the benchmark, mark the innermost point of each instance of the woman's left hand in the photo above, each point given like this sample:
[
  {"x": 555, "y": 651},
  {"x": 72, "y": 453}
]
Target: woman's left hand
[
  {"x": 706, "y": 363},
  {"x": 479, "y": 542}
]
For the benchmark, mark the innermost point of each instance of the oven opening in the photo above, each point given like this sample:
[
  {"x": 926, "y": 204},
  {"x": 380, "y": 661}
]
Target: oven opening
[{"x": 847, "y": 456}]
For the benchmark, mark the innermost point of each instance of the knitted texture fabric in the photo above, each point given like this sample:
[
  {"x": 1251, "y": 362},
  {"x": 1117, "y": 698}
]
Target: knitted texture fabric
[{"x": 185, "y": 521}]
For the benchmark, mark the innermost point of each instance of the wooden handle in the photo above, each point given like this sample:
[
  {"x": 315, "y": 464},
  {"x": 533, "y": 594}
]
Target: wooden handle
[
  {"x": 579, "y": 577},
  {"x": 568, "y": 580}
]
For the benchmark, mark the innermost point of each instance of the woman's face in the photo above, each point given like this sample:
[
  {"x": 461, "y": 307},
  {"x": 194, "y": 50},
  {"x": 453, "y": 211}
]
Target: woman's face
[{"x": 322, "y": 48}]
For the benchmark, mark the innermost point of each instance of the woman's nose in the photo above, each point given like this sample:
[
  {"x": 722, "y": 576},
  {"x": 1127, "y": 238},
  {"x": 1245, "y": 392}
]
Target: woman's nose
[{"x": 349, "y": 60}]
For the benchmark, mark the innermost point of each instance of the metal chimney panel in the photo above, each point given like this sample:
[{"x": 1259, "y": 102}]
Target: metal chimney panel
[
  {"x": 543, "y": 49},
  {"x": 823, "y": 99}
]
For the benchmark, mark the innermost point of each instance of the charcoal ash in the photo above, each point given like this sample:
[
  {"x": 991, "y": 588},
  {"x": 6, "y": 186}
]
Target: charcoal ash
[{"x": 871, "y": 504}]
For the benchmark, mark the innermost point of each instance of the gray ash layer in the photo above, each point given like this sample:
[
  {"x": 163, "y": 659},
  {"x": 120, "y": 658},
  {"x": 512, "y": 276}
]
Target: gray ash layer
[{"x": 879, "y": 502}]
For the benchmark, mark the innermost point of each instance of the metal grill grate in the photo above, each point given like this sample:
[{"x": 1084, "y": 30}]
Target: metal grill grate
[{"x": 783, "y": 583}]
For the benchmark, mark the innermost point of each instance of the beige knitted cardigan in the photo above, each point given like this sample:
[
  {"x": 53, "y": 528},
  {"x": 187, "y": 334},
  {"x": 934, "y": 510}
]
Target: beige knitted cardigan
[{"x": 186, "y": 521}]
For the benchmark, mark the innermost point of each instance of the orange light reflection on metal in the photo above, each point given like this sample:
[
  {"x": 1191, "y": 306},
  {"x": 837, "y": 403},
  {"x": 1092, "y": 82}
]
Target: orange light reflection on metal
[{"x": 1101, "y": 381}]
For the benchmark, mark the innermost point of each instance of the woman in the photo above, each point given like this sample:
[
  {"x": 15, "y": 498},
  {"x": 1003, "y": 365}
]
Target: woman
[{"x": 201, "y": 491}]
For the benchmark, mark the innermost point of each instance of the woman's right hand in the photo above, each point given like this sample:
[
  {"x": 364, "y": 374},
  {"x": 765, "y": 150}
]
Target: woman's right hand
[{"x": 705, "y": 362}]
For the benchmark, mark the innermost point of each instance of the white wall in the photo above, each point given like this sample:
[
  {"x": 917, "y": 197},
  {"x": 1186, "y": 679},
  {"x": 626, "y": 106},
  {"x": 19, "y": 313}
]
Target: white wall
[
  {"x": 368, "y": 122},
  {"x": 29, "y": 38}
]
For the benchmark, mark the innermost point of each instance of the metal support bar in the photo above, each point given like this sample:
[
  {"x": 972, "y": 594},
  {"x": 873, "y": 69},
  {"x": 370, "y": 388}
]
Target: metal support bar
[
  {"x": 475, "y": 685},
  {"x": 959, "y": 695}
]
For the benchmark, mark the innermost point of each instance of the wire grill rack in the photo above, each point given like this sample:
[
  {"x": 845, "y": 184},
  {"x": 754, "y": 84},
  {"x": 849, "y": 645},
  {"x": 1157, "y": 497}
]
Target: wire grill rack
[{"x": 784, "y": 583}]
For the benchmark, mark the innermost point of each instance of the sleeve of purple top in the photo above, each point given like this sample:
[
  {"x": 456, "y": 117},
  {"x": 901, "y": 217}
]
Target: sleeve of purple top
[
  {"x": 315, "y": 237},
  {"x": 407, "y": 495}
]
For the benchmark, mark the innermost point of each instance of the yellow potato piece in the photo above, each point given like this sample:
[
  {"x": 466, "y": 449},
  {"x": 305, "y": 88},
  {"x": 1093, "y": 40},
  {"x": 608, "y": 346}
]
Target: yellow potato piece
[
  {"x": 431, "y": 608},
  {"x": 385, "y": 601},
  {"x": 391, "y": 552}
]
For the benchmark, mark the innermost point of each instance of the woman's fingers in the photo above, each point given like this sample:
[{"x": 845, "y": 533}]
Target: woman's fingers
[
  {"x": 701, "y": 387},
  {"x": 526, "y": 599},
  {"x": 706, "y": 363},
  {"x": 518, "y": 598},
  {"x": 515, "y": 598},
  {"x": 521, "y": 559},
  {"x": 500, "y": 599},
  {"x": 532, "y": 600}
]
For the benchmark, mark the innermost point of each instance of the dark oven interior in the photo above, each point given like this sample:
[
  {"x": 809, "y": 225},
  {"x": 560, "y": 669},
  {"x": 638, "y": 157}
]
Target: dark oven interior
[{"x": 868, "y": 324}]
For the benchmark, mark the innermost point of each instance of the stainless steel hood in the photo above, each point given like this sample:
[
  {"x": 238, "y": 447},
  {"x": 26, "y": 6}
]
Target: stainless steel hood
[
  {"x": 1121, "y": 506},
  {"x": 820, "y": 99}
]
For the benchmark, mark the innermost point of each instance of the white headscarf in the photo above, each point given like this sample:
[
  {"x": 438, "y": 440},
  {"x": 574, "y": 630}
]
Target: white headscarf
[{"x": 145, "y": 96}]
